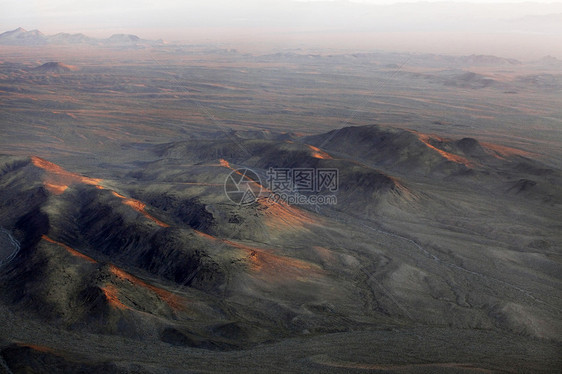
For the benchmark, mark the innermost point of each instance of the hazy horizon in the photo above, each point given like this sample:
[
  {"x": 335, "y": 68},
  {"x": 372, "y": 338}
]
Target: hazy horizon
[{"x": 523, "y": 30}]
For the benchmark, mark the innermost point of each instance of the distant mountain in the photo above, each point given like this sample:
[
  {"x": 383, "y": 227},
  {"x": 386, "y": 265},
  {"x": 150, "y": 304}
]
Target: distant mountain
[
  {"x": 65, "y": 38},
  {"x": 469, "y": 79},
  {"x": 487, "y": 60},
  {"x": 20, "y": 36},
  {"x": 395, "y": 60},
  {"x": 54, "y": 67},
  {"x": 23, "y": 37},
  {"x": 550, "y": 61},
  {"x": 123, "y": 38}
]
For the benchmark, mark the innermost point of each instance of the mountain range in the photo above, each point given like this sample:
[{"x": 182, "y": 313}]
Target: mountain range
[
  {"x": 141, "y": 257},
  {"x": 23, "y": 37}
]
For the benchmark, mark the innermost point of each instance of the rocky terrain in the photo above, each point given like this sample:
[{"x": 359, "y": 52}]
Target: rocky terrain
[{"x": 120, "y": 251}]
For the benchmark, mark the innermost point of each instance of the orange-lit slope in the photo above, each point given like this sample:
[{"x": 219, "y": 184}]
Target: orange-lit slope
[
  {"x": 38, "y": 348},
  {"x": 57, "y": 180},
  {"x": 226, "y": 164},
  {"x": 173, "y": 300},
  {"x": 269, "y": 266},
  {"x": 280, "y": 215},
  {"x": 449, "y": 156},
  {"x": 318, "y": 153},
  {"x": 69, "y": 249},
  {"x": 112, "y": 296},
  {"x": 111, "y": 292},
  {"x": 273, "y": 266},
  {"x": 139, "y": 206},
  {"x": 503, "y": 151}
]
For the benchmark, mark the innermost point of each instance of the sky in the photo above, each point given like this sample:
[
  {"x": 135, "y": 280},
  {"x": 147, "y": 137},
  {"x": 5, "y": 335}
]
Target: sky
[{"x": 513, "y": 27}]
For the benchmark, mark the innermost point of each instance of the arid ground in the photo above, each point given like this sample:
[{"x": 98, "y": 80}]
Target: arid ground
[{"x": 121, "y": 251}]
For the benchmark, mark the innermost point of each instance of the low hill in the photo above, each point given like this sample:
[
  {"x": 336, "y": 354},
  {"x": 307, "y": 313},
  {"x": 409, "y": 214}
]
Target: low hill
[{"x": 54, "y": 67}]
